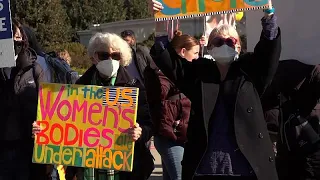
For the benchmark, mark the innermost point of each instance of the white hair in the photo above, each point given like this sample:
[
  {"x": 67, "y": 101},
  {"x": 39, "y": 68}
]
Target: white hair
[{"x": 104, "y": 41}]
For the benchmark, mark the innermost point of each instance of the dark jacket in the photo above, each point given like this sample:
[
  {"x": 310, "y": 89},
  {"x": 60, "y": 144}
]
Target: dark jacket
[
  {"x": 143, "y": 160},
  {"x": 246, "y": 81},
  {"x": 141, "y": 58},
  {"x": 19, "y": 97},
  {"x": 296, "y": 85}
]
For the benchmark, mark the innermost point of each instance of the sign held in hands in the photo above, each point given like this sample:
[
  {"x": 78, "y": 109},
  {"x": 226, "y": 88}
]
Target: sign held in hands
[
  {"x": 86, "y": 126},
  {"x": 178, "y": 9},
  {"x": 6, "y": 38}
]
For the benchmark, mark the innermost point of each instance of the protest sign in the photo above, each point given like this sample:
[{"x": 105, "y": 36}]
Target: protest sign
[
  {"x": 86, "y": 126},
  {"x": 61, "y": 172},
  {"x": 6, "y": 41},
  {"x": 177, "y": 9}
]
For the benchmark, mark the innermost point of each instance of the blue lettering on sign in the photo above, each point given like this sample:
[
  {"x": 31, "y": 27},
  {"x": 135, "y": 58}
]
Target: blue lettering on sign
[
  {"x": 256, "y": 2},
  {"x": 168, "y": 10},
  {"x": 5, "y": 20}
]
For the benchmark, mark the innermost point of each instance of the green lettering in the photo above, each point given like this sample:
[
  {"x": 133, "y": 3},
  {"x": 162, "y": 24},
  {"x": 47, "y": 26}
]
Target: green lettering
[{"x": 202, "y": 6}]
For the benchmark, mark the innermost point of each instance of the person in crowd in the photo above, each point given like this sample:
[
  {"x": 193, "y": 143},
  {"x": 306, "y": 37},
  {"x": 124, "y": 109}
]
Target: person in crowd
[
  {"x": 65, "y": 56},
  {"x": 295, "y": 90},
  {"x": 140, "y": 56},
  {"x": 227, "y": 134},
  {"x": 110, "y": 54},
  {"x": 56, "y": 71},
  {"x": 18, "y": 109},
  {"x": 34, "y": 44},
  {"x": 49, "y": 78},
  {"x": 170, "y": 111},
  {"x": 140, "y": 59}
]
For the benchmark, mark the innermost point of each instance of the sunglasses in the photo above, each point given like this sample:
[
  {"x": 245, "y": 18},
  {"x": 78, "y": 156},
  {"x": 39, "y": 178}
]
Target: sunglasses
[
  {"x": 106, "y": 55},
  {"x": 219, "y": 41}
]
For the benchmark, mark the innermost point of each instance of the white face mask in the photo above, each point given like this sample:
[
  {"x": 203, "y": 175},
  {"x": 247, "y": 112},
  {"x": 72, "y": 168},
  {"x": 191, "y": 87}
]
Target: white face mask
[
  {"x": 108, "y": 68},
  {"x": 224, "y": 54}
]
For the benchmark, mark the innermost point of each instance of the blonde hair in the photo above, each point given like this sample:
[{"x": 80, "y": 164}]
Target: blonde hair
[
  {"x": 65, "y": 56},
  {"x": 104, "y": 41},
  {"x": 223, "y": 30}
]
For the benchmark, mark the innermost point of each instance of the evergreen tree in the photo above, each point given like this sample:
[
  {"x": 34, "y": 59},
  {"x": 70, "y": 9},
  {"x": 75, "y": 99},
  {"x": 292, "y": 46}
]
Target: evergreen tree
[
  {"x": 47, "y": 17},
  {"x": 137, "y": 9},
  {"x": 57, "y": 21},
  {"x": 84, "y": 13}
]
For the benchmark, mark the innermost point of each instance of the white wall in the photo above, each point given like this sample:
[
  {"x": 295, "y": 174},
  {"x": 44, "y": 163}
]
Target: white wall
[
  {"x": 300, "y": 29},
  {"x": 142, "y": 28}
]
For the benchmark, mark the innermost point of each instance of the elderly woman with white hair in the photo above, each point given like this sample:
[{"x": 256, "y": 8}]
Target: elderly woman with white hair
[
  {"x": 227, "y": 134},
  {"x": 110, "y": 54}
]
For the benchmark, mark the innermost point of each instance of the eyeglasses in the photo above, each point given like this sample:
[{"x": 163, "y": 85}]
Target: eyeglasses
[
  {"x": 219, "y": 41},
  {"x": 106, "y": 55},
  {"x": 127, "y": 33}
]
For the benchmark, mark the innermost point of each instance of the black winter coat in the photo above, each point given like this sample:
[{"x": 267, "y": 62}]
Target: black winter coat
[
  {"x": 247, "y": 79},
  {"x": 19, "y": 97}
]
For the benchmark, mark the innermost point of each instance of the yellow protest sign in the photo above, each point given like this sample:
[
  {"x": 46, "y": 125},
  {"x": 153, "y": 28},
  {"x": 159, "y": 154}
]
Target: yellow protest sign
[
  {"x": 86, "y": 126},
  {"x": 177, "y": 9}
]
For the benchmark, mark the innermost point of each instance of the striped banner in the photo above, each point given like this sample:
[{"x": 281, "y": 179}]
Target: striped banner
[
  {"x": 113, "y": 96},
  {"x": 180, "y": 9}
]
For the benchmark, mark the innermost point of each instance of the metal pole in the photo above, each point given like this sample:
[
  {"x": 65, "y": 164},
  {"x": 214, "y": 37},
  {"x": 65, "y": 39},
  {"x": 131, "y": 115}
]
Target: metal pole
[
  {"x": 172, "y": 24},
  {"x": 204, "y": 34}
]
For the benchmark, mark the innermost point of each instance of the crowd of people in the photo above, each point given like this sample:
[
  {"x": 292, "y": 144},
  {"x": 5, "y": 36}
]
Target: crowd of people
[{"x": 238, "y": 116}]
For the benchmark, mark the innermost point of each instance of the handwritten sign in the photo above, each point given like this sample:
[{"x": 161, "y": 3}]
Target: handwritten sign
[
  {"x": 86, "y": 126},
  {"x": 177, "y": 9},
  {"x": 6, "y": 39}
]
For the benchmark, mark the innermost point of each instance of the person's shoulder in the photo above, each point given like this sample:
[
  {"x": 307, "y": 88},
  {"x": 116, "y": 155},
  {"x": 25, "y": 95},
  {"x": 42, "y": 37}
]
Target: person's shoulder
[
  {"x": 246, "y": 55},
  {"x": 203, "y": 61},
  {"x": 87, "y": 76},
  {"x": 30, "y": 54},
  {"x": 143, "y": 48},
  {"x": 204, "y": 68}
]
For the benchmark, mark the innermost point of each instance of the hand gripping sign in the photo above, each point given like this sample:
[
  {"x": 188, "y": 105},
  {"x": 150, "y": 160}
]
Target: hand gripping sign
[{"x": 178, "y": 9}]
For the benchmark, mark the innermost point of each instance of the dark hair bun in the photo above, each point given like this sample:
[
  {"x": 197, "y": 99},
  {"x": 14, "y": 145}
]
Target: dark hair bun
[{"x": 177, "y": 33}]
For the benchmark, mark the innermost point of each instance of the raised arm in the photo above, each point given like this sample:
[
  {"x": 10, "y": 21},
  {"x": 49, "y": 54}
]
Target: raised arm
[{"x": 262, "y": 64}]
